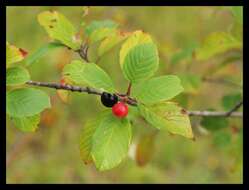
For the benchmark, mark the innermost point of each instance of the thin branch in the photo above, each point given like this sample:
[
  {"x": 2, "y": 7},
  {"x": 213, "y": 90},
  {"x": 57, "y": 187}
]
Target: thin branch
[
  {"x": 131, "y": 101},
  {"x": 230, "y": 113},
  {"x": 65, "y": 87},
  {"x": 83, "y": 51},
  {"x": 235, "y": 108},
  {"x": 72, "y": 88},
  {"x": 214, "y": 114}
]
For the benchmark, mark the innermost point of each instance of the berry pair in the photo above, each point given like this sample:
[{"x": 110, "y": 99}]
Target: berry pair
[{"x": 119, "y": 109}]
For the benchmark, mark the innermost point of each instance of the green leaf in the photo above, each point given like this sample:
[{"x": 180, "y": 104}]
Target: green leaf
[
  {"x": 169, "y": 116},
  {"x": 24, "y": 102},
  {"x": 214, "y": 123},
  {"x": 100, "y": 34},
  {"x": 86, "y": 139},
  {"x": 133, "y": 113},
  {"x": 17, "y": 76},
  {"x": 216, "y": 43},
  {"x": 95, "y": 25},
  {"x": 190, "y": 82},
  {"x": 158, "y": 89},
  {"x": 145, "y": 149},
  {"x": 222, "y": 139},
  {"x": 98, "y": 30},
  {"x": 27, "y": 124},
  {"x": 183, "y": 99},
  {"x": 138, "y": 57},
  {"x": 111, "y": 142},
  {"x": 13, "y": 54},
  {"x": 111, "y": 41},
  {"x": 42, "y": 51},
  {"x": 229, "y": 101},
  {"x": 88, "y": 73},
  {"x": 138, "y": 37},
  {"x": 59, "y": 28}
]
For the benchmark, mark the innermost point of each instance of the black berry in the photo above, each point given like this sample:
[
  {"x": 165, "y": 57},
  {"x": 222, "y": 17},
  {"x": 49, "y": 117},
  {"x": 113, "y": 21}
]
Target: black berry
[{"x": 108, "y": 99}]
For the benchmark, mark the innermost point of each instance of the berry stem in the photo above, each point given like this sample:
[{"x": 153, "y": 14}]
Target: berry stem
[
  {"x": 128, "y": 89},
  {"x": 83, "y": 52}
]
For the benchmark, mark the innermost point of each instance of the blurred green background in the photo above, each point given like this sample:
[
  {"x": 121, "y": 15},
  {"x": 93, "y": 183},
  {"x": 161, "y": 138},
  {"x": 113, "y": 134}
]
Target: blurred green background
[{"x": 51, "y": 154}]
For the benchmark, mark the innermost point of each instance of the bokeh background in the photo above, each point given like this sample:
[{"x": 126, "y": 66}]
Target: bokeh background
[{"x": 51, "y": 154}]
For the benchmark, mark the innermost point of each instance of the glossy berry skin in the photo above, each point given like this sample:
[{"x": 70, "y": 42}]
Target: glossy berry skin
[
  {"x": 108, "y": 99},
  {"x": 120, "y": 110}
]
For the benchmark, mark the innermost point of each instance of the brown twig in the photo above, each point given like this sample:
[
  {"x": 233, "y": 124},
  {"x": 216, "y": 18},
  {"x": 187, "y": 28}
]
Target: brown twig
[
  {"x": 231, "y": 113},
  {"x": 128, "y": 89},
  {"x": 72, "y": 88},
  {"x": 132, "y": 101},
  {"x": 214, "y": 114},
  {"x": 65, "y": 87},
  {"x": 83, "y": 52},
  {"x": 235, "y": 108}
]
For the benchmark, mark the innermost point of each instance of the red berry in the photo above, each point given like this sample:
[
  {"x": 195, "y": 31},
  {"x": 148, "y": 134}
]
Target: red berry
[{"x": 120, "y": 109}]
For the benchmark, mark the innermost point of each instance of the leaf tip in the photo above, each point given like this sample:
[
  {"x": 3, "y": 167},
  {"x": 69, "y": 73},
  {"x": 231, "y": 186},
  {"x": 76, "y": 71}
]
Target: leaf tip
[{"x": 23, "y": 52}]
